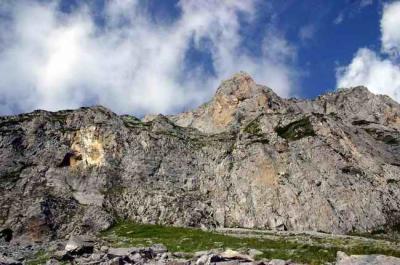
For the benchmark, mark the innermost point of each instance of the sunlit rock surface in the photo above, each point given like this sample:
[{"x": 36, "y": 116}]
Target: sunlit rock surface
[{"x": 247, "y": 158}]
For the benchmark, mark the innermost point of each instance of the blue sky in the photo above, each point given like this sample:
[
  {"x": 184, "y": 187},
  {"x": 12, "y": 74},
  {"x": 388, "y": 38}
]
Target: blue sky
[
  {"x": 330, "y": 43},
  {"x": 167, "y": 56}
]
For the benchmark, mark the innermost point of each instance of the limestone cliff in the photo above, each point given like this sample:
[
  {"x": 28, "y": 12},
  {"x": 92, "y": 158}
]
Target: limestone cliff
[{"x": 247, "y": 158}]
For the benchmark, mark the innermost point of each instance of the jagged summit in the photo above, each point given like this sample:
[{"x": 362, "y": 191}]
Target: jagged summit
[
  {"x": 241, "y": 85},
  {"x": 239, "y": 100}
]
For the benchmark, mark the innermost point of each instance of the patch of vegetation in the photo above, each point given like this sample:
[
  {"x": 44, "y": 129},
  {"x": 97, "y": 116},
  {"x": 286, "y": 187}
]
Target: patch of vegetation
[
  {"x": 383, "y": 137},
  {"x": 296, "y": 130},
  {"x": 14, "y": 120},
  {"x": 390, "y": 140},
  {"x": 298, "y": 248},
  {"x": 392, "y": 181},
  {"x": 60, "y": 117},
  {"x": 189, "y": 240},
  {"x": 113, "y": 191},
  {"x": 334, "y": 115},
  {"x": 202, "y": 140},
  {"x": 253, "y": 128},
  {"x": 133, "y": 122},
  {"x": 40, "y": 258},
  {"x": 9, "y": 179},
  {"x": 129, "y": 118}
]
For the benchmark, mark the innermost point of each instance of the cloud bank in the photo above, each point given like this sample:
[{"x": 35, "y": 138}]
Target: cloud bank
[
  {"x": 380, "y": 72},
  {"x": 128, "y": 61}
]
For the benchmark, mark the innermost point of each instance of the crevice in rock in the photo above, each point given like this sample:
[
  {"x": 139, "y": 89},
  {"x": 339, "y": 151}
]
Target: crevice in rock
[
  {"x": 352, "y": 170},
  {"x": 70, "y": 159},
  {"x": 6, "y": 234}
]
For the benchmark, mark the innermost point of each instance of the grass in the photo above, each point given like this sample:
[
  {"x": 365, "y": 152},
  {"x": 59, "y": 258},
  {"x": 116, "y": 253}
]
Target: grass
[
  {"x": 40, "y": 258},
  {"x": 296, "y": 130},
  {"x": 190, "y": 240},
  {"x": 253, "y": 128},
  {"x": 389, "y": 139},
  {"x": 9, "y": 179},
  {"x": 298, "y": 248}
]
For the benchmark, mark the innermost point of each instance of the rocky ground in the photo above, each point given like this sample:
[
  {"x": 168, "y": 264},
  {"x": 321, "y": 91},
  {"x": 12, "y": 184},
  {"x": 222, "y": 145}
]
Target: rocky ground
[
  {"x": 137, "y": 244},
  {"x": 84, "y": 250},
  {"x": 79, "y": 250}
]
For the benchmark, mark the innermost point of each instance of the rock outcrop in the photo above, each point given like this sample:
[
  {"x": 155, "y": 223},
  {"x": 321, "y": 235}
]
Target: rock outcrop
[
  {"x": 248, "y": 158},
  {"x": 343, "y": 259}
]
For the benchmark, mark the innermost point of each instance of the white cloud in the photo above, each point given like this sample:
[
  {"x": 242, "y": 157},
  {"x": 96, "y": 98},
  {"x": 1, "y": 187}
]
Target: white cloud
[
  {"x": 381, "y": 76},
  {"x": 379, "y": 72},
  {"x": 53, "y": 60},
  {"x": 390, "y": 27}
]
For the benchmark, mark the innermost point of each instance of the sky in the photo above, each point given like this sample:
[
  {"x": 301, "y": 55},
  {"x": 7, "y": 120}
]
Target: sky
[{"x": 150, "y": 56}]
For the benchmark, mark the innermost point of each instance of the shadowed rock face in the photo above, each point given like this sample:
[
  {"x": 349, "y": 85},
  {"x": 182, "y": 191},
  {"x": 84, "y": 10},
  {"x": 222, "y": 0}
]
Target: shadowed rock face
[{"x": 248, "y": 158}]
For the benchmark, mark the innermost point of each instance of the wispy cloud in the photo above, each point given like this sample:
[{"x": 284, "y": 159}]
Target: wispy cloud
[
  {"x": 351, "y": 10},
  {"x": 380, "y": 72},
  {"x": 364, "y": 3},
  {"x": 130, "y": 63},
  {"x": 339, "y": 19},
  {"x": 307, "y": 32}
]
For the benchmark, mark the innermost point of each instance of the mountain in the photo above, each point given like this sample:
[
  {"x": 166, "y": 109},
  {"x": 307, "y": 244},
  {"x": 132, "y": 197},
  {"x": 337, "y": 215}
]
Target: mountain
[{"x": 247, "y": 158}]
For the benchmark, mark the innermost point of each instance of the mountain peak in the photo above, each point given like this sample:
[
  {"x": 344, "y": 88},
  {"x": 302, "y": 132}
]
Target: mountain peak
[
  {"x": 241, "y": 85},
  {"x": 237, "y": 100}
]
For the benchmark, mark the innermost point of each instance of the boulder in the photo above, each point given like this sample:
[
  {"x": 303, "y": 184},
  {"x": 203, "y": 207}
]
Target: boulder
[
  {"x": 135, "y": 258},
  {"x": 158, "y": 248},
  {"x": 230, "y": 254},
  {"x": 78, "y": 245},
  {"x": 254, "y": 252},
  {"x": 344, "y": 259},
  {"x": 121, "y": 252},
  {"x": 53, "y": 262},
  {"x": 116, "y": 261},
  {"x": 278, "y": 262},
  {"x": 203, "y": 260},
  {"x": 4, "y": 260}
]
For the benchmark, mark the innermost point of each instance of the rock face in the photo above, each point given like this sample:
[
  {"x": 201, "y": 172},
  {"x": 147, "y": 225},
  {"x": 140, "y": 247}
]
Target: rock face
[{"x": 248, "y": 158}]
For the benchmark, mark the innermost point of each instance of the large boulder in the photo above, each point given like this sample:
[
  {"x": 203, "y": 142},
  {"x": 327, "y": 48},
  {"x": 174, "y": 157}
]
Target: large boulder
[
  {"x": 343, "y": 259},
  {"x": 78, "y": 245}
]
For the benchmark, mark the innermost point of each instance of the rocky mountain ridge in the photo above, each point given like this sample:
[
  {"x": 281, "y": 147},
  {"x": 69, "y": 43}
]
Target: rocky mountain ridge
[{"x": 247, "y": 158}]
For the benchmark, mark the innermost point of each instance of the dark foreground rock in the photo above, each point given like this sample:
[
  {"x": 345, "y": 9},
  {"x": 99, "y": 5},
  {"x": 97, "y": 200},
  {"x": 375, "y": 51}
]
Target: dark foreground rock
[
  {"x": 158, "y": 254},
  {"x": 248, "y": 158}
]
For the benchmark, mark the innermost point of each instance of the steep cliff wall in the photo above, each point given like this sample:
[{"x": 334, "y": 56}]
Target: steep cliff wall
[{"x": 247, "y": 158}]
